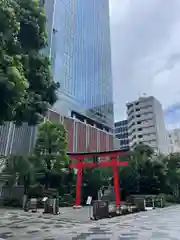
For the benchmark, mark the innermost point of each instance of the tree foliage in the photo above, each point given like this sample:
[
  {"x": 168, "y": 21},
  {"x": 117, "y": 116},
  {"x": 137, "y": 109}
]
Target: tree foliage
[
  {"x": 173, "y": 172},
  {"x": 20, "y": 170},
  {"x": 48, "y": 165},
  {"x": 51, "y": 152},
  {"x": 147, "y": 172},
  {"x": 26, "y": 86},
  {"x": 51, "y": 145}
]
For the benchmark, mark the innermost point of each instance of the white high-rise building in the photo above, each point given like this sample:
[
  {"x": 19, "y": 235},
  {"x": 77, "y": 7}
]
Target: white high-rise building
[
  {"x": 146, "y": 124},
  {"x": 174, "y": 140}
]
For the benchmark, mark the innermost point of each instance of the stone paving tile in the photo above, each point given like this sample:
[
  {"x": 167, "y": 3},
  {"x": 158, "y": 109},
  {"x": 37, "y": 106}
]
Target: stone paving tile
[{"x": 159, "y": 224}]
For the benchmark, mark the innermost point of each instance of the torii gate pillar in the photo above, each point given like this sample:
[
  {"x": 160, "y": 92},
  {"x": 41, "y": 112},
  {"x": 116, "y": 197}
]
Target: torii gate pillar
[{"x": 114, "y": 163}]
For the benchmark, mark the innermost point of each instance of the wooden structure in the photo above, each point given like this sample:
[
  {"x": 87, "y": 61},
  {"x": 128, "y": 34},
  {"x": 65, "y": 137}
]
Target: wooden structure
[{"x": 113, "y": 162}]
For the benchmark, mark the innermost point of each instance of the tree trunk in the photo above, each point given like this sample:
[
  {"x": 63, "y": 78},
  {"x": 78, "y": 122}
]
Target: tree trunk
[
  {"x": 26, "y": 191},
  {"x": 46, "y": 180},
  {"x": 25, "y": 202}
]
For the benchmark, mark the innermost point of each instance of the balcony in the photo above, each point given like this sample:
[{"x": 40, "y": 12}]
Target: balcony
[{"x": 142, "y": 117}]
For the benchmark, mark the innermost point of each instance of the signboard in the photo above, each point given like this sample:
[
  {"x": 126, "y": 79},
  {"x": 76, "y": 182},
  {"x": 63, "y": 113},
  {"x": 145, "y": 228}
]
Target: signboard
[
  {"x": 44, "y": 199},
  {"x": 100, "y": 209},
  {"x": 89, "y": 200}
]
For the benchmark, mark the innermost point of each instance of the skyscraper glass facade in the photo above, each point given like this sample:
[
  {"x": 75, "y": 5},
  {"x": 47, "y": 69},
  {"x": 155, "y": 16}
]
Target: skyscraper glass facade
[{"x": 82, "y": 56}]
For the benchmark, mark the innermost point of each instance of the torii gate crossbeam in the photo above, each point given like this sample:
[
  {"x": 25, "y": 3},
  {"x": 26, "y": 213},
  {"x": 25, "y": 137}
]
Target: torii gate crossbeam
[{"x": 114, "y": 163}]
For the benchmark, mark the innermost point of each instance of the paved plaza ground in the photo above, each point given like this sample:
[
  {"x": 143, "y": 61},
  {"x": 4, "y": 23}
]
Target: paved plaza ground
[{"x": 162, "y": 224}]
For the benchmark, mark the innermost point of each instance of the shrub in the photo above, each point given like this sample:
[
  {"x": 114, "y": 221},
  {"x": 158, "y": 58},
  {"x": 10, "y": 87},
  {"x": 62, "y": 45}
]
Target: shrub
[{"x": 12, "y": 202}]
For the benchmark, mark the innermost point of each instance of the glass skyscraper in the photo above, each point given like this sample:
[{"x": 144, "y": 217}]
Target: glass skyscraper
[
  {"x": 81, "y": 57},
  {"x": 78, "y": 39}
]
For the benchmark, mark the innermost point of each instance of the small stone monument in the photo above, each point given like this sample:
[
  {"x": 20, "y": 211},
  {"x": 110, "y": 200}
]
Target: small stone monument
[
  {"x": 51, "y": 202},
  {"x": 108, "y": 194},
  {"x": 51, "y": 206},
  {"x": 33, "y": 204}
]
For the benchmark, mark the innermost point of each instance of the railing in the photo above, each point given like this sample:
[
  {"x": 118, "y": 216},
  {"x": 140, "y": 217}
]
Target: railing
[
  {"x": 154, "y": 202},
  {"x": 147, "y": 202}
]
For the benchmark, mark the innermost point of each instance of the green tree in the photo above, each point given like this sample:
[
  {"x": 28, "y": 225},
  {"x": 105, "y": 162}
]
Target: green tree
[
  {"x": 94, "y": 179},
  {"x": 51, "y": 152},
  {"x": 92, "y": 182},
  {"x": 26, "y": 86},
  {"x": 173, "y": 172},
  {"x": 144, "y": 174},
  {"x": 20, "y": 170},
  {"x": 143, "y": 149}
]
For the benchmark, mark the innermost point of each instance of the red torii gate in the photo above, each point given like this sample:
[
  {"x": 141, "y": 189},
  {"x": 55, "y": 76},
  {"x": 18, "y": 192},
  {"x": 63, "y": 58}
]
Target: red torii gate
[{"x": 114, "y": 163}]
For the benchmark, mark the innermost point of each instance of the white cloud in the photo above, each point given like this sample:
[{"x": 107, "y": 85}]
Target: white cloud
[{"x": 145, "y": 51}]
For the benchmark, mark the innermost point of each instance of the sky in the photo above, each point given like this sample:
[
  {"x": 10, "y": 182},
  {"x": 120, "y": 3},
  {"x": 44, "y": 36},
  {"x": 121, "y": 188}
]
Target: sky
[{"x": 145, "y": 40}]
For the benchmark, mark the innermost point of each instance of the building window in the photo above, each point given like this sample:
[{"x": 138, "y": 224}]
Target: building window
[
  {"x": 42, "y": 2},
  {"x": 140, "y": 136},
  {"x": 117, "y": 130},
  {"x": 129, "y": 106}
]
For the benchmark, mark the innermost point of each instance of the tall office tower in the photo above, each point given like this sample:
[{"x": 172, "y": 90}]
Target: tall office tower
[
  {"x": 78, "y": 38},
  {"x": 80, "y": 48},
  {"x": 49, "y": 7},
  {"x": 121, "y": 133},
  {"x": 146, "y": 124},
  {"x": 174, "y": 140}
]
